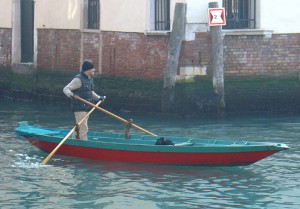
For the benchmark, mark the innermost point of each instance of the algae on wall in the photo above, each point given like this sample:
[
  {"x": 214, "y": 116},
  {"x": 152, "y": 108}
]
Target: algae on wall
[
  {"x": 47, "y": 85},
  {"x": 195, "y": 97}
]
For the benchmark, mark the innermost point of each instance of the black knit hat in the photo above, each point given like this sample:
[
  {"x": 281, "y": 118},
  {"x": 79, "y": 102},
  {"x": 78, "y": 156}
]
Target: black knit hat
[{"x": 87, "y": 66}]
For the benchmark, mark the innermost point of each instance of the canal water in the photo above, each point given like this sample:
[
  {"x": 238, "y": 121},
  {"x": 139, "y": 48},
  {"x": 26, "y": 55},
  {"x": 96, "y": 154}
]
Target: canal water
[{"x": 69, "y": 182}]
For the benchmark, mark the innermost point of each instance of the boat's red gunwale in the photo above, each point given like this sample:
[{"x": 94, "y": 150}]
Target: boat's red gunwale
[{"x": 238, "y": 158}]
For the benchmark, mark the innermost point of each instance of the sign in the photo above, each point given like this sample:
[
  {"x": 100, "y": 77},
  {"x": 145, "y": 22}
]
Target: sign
[{"x": 216, "y": 16}]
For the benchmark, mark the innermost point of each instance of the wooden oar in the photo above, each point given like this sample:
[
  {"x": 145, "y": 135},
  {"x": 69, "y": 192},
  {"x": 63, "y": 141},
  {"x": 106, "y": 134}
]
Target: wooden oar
[
  {"x": 69, "y": 134},
  {"x": 117, "y": 117}
]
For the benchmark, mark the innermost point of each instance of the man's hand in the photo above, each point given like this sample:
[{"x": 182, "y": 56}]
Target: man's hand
[
  {"x": 102, "y": 98},
  {"x": 74, "y": 96}
]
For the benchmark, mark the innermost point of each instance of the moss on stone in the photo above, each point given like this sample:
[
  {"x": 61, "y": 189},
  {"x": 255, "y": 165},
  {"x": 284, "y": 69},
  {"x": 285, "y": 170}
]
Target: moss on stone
[{"x": 194, "y": 97}]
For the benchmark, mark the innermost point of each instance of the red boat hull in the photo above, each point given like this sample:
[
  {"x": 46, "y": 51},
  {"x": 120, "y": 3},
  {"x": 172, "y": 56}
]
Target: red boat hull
[{"x": 236, "y": 158}]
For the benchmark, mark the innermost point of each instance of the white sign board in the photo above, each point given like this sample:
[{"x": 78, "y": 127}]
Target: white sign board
[{"x": 216, "y": 16}]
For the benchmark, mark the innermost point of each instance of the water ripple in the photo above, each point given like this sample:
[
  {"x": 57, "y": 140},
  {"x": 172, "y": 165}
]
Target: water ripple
[{"x": 67, "y": 182}]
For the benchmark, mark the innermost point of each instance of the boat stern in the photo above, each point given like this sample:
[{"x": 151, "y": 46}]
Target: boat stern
[
  {"x": 23, "y": 124},
  {"x": 22, "y": 128}
]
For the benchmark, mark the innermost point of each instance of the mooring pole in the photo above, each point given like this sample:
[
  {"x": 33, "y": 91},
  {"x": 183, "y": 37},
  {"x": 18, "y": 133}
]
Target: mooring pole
[
  {"x": 217, "y": 61},
  {"x": 170, "y": 71}
]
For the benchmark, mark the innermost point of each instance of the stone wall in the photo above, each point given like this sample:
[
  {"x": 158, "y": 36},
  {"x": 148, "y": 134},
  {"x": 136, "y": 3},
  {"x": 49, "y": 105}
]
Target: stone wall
[
  {"x": 123, "y": 54},
  {"x": 247, "y": 55},
  {"x": 58, "y": 49},
  {"x": 196, "y": 52},
  {"x": 134, "y": 54},
  {"x": 255, "y": 55},
  {"x": 145, "y": 56},
  {"x": 5, "y": 46},
  {"x": 91, "y": 44}
]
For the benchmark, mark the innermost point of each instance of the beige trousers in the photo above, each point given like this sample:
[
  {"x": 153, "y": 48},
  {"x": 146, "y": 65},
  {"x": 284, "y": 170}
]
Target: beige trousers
[{"x": 83, "y": 128}]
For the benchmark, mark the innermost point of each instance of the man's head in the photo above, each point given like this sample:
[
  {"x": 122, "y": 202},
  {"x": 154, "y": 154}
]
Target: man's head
[{"x": 88, "y": 68}]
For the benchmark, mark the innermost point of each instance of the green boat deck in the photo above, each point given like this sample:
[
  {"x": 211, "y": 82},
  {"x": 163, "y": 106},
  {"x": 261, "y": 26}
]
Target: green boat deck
[{"x": 137, "y": 139}]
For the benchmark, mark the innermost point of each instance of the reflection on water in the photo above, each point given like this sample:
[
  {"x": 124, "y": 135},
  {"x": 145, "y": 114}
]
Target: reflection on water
[{"x": 68, "y": 182}]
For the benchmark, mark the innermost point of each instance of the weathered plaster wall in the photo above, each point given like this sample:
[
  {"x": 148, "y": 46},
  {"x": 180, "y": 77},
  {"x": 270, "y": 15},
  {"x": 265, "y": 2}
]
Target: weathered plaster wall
[
  {"x": 6, "y": 14},
  {"x": 58, "y": 14}
]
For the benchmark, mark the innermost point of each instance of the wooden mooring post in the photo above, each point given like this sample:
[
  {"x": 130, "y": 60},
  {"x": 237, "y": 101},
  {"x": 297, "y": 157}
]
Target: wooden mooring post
[
  {"x": 217, "y": 62},
  {"x": 170, "y": 71}
]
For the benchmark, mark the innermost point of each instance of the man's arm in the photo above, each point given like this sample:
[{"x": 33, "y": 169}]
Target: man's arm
[
  {"x": 74, "y": 84},
  {"x": 96, "y": 97}
]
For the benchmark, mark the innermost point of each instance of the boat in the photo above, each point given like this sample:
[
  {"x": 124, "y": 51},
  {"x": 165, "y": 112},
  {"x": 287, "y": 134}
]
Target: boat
[{"x": 139, "y": 148}]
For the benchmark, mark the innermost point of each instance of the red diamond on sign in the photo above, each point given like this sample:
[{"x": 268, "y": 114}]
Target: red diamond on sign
[{"x": 216, "y": 16}]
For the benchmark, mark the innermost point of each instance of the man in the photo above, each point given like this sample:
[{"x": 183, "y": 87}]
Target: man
[{"x": 82, "y": 86}]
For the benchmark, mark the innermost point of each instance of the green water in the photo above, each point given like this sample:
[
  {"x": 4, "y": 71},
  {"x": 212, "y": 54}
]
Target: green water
[{"x": 67, "y": 182}]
